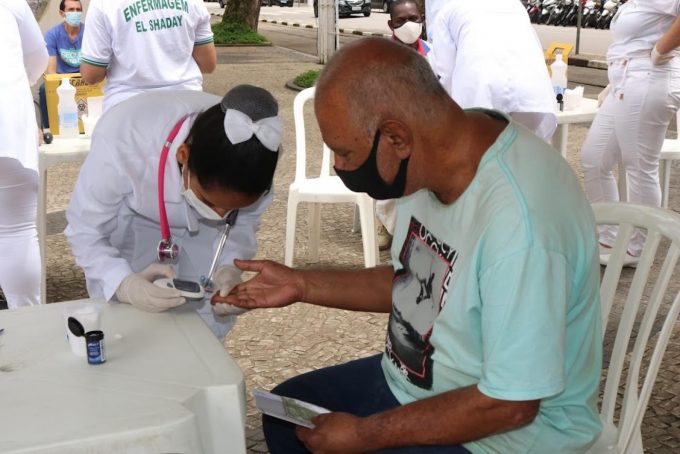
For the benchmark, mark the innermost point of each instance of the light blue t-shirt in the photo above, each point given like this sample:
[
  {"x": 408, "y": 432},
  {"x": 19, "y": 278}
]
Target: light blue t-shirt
[{"x": 500, "y": 289}]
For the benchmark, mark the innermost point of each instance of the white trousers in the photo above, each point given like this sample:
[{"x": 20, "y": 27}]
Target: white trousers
[
  {"x": 629, "y": 129},
  {"x": 19, "y": 249}
]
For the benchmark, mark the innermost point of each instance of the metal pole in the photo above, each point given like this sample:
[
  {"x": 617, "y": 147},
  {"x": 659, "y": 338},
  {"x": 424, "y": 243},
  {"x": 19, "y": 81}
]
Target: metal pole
[
  {"x": 327, "y": 34},
  {"x": 578, "y": 26}
]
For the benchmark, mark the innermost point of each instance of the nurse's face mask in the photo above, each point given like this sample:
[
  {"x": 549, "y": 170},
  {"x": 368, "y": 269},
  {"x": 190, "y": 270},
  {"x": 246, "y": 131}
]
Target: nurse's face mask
[
  {"x": 197, "y": 204},
  {"x": 366, "y": 177}
]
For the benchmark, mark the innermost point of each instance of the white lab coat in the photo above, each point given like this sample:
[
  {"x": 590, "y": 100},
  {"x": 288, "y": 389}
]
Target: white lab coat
[
  {"x": 113, "y": 216},
  {"x": 487, "y": 55},
  {"x": 24, "y": 58}
]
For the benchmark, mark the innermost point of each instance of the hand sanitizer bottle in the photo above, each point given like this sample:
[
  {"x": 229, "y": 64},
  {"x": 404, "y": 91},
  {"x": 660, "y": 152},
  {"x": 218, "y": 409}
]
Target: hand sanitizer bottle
[
  {"x": 67, "y": 109},
  {"x": 558, "y": 77}
]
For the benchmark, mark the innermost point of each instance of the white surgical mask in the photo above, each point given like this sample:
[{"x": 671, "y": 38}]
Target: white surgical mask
[
  {"x": 72, "y": 18},
  {"x": 197, "y": 204},
  {"x": 409, "y": 32}
]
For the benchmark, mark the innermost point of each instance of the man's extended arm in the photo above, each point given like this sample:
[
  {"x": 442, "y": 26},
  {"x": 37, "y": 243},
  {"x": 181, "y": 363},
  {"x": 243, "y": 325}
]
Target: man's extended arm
[
  {"x": 276, "y": 285},
  {"x": 450, "y": 418}
]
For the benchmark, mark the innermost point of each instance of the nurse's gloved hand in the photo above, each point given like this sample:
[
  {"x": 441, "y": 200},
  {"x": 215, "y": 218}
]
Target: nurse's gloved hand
[
  {"x": 603, "y": 94},
  {"x": 139, "y": 290},
  {"x": 225, "y": 279},
  {"x": 659, "y": 58}
]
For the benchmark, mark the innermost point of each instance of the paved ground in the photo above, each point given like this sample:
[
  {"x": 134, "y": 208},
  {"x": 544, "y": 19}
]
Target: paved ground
[{"x": 271, "y": 345}]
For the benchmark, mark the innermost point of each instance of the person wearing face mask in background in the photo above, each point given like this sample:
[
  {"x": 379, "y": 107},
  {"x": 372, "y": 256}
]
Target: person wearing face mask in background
[
  {"x": 222, "y": 157},
  {"x": 406, "y": 22},
  {"x": 64, "y": 42}
]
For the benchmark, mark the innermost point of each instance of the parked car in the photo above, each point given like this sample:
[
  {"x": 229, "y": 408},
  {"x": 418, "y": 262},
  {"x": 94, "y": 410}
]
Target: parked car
[
  {"x": 222, "y": 3},
  {"x": 278, "y": 2},
  {"x": 348, "y": 7},
  {"x": 384, "y": 5}
]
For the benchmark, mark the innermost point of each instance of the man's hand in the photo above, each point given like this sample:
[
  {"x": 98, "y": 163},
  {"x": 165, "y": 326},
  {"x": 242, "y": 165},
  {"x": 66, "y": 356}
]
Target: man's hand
[
  {"x": 274, "y": 286},
  {"x": 334, "y": 433}
]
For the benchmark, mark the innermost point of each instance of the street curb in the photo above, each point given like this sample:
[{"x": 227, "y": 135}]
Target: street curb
[
  {"x": 267, "y": 44},
  {"x": 347, "y": 31},
  {"x": 587, "y": 61}
]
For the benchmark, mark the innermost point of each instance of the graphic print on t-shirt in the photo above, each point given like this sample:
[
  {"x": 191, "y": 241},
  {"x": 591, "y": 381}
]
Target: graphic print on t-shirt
[{"x": 418, "y": 295}]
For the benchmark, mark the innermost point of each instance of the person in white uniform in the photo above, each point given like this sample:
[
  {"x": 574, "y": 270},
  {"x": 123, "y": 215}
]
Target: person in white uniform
[
  {"x": 146, "y": 45},
  {"x": 637, "y": 106},
  {"x": 222, "y": 157},
  {"x": 487, "y": 54},
  {"x": 24, "y": 58},
  {"x": 432, "y": 8}
]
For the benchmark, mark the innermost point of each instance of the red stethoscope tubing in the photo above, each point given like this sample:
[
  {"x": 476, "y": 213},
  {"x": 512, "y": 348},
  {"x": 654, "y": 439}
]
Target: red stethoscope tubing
[{"x": 165, "y": 226}]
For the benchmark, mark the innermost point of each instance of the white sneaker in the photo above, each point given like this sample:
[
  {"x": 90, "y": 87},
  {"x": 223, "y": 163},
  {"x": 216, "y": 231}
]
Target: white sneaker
[{"x": 629, "y": 261}]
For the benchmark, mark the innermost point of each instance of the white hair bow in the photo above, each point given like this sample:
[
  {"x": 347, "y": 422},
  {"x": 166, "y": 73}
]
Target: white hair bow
[{"x": 240, "y": 127}]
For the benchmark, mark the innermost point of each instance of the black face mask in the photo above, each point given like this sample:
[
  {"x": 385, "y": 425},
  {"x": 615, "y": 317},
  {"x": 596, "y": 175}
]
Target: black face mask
[{"x": 366, "y": 177}]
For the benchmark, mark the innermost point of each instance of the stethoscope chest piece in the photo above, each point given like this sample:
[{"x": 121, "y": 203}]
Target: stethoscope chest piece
[{"x": 167, "y": 250}]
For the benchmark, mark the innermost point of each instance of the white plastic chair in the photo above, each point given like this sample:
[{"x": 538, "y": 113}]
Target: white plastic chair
[
  {"x": 623, "y": 436},
  {"x": 325, "y": 188},
  {"x": 670, "y": 151}
]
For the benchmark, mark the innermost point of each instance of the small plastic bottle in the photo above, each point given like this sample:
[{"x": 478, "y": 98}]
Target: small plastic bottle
[
  {"x": 67, "y": 109},
  {"x": 94, "y": 342},
  {"x": 558, "y": 71}
]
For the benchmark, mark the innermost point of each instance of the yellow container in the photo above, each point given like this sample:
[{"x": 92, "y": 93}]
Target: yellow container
[{"x": 83, "y": 91}]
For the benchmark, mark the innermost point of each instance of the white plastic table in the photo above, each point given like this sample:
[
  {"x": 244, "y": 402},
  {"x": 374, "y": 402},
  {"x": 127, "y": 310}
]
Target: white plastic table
[
  {"x": 584, "y": 114},
  {"x": 49, "y": 155},
  {"x": 168, "y": 386}
]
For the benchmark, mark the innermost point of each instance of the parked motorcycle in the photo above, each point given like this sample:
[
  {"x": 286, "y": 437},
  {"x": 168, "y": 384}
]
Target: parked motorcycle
[
  {"x": 608, "y": 11},
  {"x": 591, "y": 11},
  {"x": 547, "y": 8},
  {"x": 534, "y": 10}
]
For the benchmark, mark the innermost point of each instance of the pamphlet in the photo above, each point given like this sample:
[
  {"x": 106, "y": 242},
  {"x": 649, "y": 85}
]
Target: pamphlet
[{"x": 287, "y": 408}]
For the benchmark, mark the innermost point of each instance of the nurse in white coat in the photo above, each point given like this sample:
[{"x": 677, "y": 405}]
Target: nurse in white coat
[
  {"x": 24, "y": 58},
  {"x": 487, "y": 54},
  {"x": 222, "y": 157}
]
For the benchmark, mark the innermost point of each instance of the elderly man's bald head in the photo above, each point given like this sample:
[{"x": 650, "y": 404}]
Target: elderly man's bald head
[{"x": 375, "y": 78}]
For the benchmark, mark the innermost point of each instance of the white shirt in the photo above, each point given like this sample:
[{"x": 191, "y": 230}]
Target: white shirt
[
  {"x": 113, "y": 216},
  {"x": 432, "y": 7},
  {"x": 24, "y": 58},
  {"x": 638, "y": 25},
  {"x": 145, "y": 44},
  {"x": 487, "y": 55}
]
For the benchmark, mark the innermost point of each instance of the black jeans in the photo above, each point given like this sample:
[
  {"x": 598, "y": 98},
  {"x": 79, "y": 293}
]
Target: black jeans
[{"x": 357, "y": 387}]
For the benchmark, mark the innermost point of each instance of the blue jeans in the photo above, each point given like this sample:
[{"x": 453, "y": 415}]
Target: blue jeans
[
  {"x": 43, "y": 106},
  {"x": 357, "y": 387}
]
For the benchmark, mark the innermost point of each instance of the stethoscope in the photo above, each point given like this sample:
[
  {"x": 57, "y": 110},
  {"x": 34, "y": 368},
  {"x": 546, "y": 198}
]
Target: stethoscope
[{"x": 167, "y": 249}]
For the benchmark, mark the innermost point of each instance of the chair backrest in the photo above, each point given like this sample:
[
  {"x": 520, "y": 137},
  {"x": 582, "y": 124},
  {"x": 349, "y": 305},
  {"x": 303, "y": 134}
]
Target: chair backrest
[
  {"x": 659, "y": 224},
  {"x": 301, "y": 138}
]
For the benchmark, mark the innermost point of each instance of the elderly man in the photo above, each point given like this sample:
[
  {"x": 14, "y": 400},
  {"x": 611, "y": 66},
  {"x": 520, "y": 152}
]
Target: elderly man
[{"x": 493, "y": 341}]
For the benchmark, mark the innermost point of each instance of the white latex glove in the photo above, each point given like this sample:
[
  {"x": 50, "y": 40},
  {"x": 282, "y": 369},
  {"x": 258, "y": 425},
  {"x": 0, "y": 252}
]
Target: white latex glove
[
  {"x": 603, "y": 94},
  {"x": 225, "y": 279},
  {"x": 660, "y": 59},
  {"x": 139, "y": 290}
]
